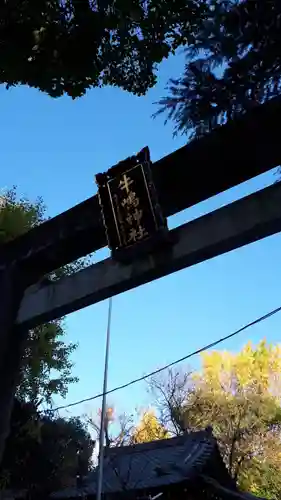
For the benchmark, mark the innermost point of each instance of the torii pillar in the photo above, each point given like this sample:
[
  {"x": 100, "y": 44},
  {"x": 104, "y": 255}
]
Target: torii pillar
[{"x": 12, "y": 286}]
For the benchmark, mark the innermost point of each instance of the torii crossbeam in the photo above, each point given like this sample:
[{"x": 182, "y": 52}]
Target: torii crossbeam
[{"x": 230, "y": 155}]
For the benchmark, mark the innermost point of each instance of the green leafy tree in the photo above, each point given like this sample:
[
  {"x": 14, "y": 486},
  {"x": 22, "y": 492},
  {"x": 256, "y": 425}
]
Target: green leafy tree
[
  {"x": 69, "y": 46},
  {"x": 42, "y": 453},
  {"x": 233, "y": 64},
  {"x": 18, "y": 215},
  {"x": 239, "y": 396},
  {"x": 46, "y": 368}
]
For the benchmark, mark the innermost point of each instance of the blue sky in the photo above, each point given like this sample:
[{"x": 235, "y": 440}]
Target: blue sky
[{"x": 53, "y": 148}]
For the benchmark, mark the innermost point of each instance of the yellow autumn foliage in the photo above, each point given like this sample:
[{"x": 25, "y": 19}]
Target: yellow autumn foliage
[
  {"x": 149, "y": 429},
  {"x": 253, "y": 368}
]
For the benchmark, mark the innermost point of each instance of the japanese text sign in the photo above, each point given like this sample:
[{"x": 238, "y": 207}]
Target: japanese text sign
[
  {"x": 128, "y": 199},
  {"x": 132, "y": 207}
]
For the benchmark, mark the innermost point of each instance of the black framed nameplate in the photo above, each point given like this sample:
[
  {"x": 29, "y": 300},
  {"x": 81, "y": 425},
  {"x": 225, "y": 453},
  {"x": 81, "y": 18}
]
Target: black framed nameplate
[{"x": 132, "y": 217}]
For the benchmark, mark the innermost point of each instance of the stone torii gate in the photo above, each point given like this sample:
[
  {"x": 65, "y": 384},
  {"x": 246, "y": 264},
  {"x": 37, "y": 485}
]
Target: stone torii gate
[{"x": 232, "y": 154}]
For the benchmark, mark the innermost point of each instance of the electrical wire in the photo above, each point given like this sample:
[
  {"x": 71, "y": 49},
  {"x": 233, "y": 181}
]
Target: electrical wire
[{"x": 184, "y": 358}]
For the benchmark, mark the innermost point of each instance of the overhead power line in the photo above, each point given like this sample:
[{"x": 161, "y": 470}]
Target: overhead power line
[{"x": 184, "y": 358}]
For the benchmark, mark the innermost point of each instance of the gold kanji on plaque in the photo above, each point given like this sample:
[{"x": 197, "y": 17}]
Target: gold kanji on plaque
[
  {"x": 137, "y": 215},
  {"x": 131, "y": 201},
  {"x": 129, "y": 204},
  {"x": 125, "y": 183},
  {"x": 137, "y": 234}
]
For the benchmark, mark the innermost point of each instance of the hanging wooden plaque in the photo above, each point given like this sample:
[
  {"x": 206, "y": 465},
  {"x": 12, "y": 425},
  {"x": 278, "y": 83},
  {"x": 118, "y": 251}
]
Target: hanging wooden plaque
[{"x": 131, "y": 213}]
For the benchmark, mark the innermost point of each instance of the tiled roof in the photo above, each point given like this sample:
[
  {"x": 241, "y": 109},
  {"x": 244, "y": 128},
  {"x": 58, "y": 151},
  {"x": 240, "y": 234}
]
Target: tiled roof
[{"x": 152, "y": 465}]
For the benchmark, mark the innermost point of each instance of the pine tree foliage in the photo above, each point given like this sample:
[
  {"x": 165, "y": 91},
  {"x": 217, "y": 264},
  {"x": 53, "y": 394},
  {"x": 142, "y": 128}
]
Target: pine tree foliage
[{"x": 233, "y": 64}]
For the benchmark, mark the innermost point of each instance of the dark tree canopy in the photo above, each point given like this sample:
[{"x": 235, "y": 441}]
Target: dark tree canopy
[
  {"x": 68, "y": 46},
  {"x": 44, "y": 454},
  {"x": 233, "y": 64}
]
